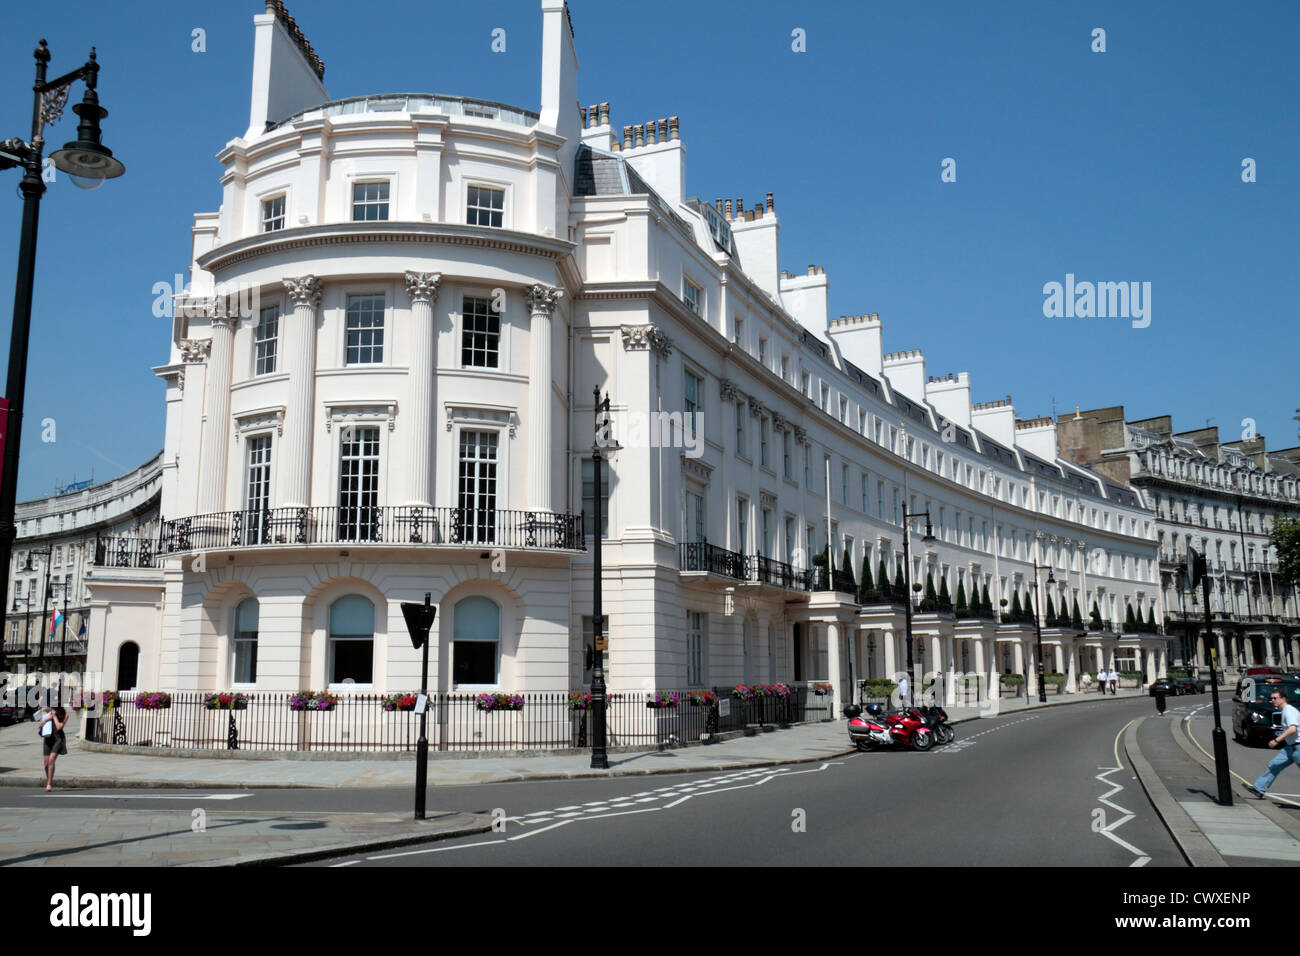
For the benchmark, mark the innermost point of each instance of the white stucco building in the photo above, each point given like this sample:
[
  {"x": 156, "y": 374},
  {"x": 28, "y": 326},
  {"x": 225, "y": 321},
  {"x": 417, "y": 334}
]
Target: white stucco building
[{"x": 380, "y": 384}]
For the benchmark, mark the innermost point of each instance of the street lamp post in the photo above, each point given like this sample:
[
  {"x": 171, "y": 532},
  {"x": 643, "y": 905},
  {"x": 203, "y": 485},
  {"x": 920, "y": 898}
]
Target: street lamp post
[
  {"x": 907, "y": 596},
  {"x": 599, "y": 756},
  {"x": 88, "y": 163},
  {"x": 1038, "y": 629},
  {"x": 46, "y": 553},
  {"x": 1198, "y": 570},
  {"x": 419, "y": 619}
]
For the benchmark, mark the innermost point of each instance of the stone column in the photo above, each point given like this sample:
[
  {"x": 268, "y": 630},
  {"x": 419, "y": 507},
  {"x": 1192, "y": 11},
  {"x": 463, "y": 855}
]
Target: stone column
[
  {"x": 216, "y": 401},
  {"x": 1163, "y": 663},
  {"x": 542, "y": 300},
  {"x": 422, "y": 287},
  {"x": 889, "y": 647},
  {"x": 300, "y": 360},
  {"x": 833, "y": 666},
  {"x": 949, "y": 668},
  {"x": 1072, "y": 671}
]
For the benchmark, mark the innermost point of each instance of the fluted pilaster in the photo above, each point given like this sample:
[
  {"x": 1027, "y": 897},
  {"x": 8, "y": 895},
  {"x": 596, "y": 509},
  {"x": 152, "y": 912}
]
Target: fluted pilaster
[
  {"x": 216, "y": 402},
  {"x": 422, "y": 287},
  {"x": 300, "y": 360},
  {"x": 541, "y": 306}
]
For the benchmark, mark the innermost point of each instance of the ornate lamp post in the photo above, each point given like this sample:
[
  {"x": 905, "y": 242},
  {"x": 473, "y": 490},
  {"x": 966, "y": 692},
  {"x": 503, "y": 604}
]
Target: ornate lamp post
[
  {"x": 88, "y": 163},
  {"x": 907, "y": 582},
  {"x": 599, "y": 757},
  {"x": 1038, "y": 628}
]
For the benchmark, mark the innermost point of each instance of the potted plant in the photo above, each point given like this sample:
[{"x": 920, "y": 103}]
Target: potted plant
[
  {"x": 495, "y": 702},
  {"x": 1054, "y": 680},
  {"x": 781, "y": 691},
  {"x": 398, "y": 702},
  {"x": 878, "y": 689},
  {"x": 313, "y": 700},
  {"x": 153, "y": 700},
  {"x": 89, "y": 700},
  {"x": 657, "y": 700},
  {"x": 580, "y": 701},
  {"x": 701, "y": 698},
  {"x": 821, "y": 688},
  {"x": 742, "y": 692},
  {"x": 225, "y": 700}
]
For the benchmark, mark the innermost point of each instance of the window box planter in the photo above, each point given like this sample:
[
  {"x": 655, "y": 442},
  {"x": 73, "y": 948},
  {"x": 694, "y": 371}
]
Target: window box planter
[
  {"x": 701, "y": 698},
  {"x": 821, "y": 690},
  {"x": 659, "y": 701},
  {"x": 580, "y": 701},
  {"x": 306, "y": 700},
  {"x": 225, "y": 700},
  {"x": 398, "y": 702},
  {"x": 489, "y": 703},
  {"x": 91, "y": 701},
  {"x": 153, "y": 700}
]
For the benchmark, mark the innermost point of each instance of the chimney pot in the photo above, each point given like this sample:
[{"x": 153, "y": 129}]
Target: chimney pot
[
  {"x": 627, "y": 137},
  {"x": 740, "y": 208},
  {"x": 650, "y": 133},
  {"x": 663, "y": 131},
  {"x": 582, "y": 111},
  {"x": 821, "y": 271},
  {"x": 812, "y": 270},
  {"x": 749, "y": 215},
  {"x": 592, "y": 114},
  {"x": 728, "y": 209},
  {"x": 638, "y": 132},
  {"x": 758, "y": 211},
  {"x": 604, "y": 114},
  {"x": 673, "y": 132},
  {"x": 771, "y": 206}
]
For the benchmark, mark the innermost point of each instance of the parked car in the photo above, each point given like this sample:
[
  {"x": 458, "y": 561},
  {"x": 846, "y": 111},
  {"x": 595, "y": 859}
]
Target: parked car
[
  {"x": 1253, "y": 714},
  {"x": 1190, "y": 685},
  {"x": 1165, "y": 685}
]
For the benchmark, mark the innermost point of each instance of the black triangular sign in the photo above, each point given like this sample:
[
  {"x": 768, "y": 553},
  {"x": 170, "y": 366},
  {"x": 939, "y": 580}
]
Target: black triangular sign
[{"x": 419, "y": 618}]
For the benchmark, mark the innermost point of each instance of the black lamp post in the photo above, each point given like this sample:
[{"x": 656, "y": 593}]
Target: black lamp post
[
  {"x": 1198, "y": 570},
  {"x": 907, "y": 581},
  {"x": 1038, "y": 629},
  {"x": 599, "y": 756},
  {"x": 419, "y": 619},
  {"x": 88, "y": 163},
  {"x": 46, "y": 553}
]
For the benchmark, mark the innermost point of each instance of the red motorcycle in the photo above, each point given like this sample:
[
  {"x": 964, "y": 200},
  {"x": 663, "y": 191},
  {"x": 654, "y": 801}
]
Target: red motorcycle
[{"x": 904, "y": 728}]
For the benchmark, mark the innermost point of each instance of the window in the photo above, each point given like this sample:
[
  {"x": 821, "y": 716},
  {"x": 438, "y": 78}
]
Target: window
[
  {"x": 880, "y": 500},
  {"x": 265, "y": 334},
  {"x": 786, "y": 442},
  {"x": 358, "y": 484},
  {"x": 365, "y": 331},
  {"x": 691, "y": 295},
  {"x": 369, "y": 202},
  {"x": 692, "y": 389},
  {"x": 805, "y": 385},
  {"x": 258, "y": 488},
  {"x": 844, "y": 410},
  {"x": 826, "y": 398},
  {"x": 807, "y": 467},
  {"x": 785, "y": 368},
  {"x": 244, "y": 670},
  {"x": 476, "y": 628},
  {"x": 742, "y": 525},
  {"x": 765, "y": 542},
  {"x": 589, "y": 500},
  {"x": 694, "y": 527},
  {"x": 740, "y": 428},
  {"x": 762, "y": 350},
  {"x": 352, "y": 640},
  {"x": 844, "y": 484},
  {"x": 485, "y": 206},
  {"x": 477, "y": 491},
  {"x": 58, "y": 555},
  {"x": 697, "y": 644},
  {"x": 738, "y": 333},
  {"x": 273, "y": 214},
  {"x": 789, "y": 541},
  {"x": 480, "y": 343},
  {"x": 866, "y": 510},
  {"x": 764, "y": 434}
]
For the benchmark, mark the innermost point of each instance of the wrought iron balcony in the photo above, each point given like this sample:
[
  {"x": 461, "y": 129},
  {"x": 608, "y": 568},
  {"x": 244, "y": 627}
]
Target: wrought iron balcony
[
  {"x": 702, "y": 556},
  {"x": 838, "y": 580},
  {"x": 781, "y": 575},
  {"x": 406, "y": 525},
  {"x": 124, "y": 552}
]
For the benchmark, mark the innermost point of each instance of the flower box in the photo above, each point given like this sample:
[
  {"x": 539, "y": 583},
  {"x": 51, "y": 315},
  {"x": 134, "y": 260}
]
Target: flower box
[
  {"x": 92, "y": 701},
  {"x": 660, "y": 701},
  {"x": 226, "y": 700},
  {"x": 494, "y": 702},
  {"x": 313, "y": 700},
  {"x": 398, "y": 702},
  {"x": 701, "y": 698},
  {"x": 153, "y": 700},
  {"x": 821, "y": 690},
  {"x": 580, "y": 701},
  {"x": 742, "y": 692}
]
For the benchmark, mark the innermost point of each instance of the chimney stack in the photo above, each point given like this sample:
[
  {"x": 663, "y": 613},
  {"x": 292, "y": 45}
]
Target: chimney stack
[
  {"x": 604, "y": 114},
  {"x": 627, "y": 137},
  {"x": 673, "y": 131},
  {"x": 771, "y": 207}
]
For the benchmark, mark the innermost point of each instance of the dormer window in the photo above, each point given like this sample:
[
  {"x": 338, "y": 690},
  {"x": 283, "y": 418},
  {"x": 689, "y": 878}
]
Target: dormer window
[{"x": 273, "y": 214}]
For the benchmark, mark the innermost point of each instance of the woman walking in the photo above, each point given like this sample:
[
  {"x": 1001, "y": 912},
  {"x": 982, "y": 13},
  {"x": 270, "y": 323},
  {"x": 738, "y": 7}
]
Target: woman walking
[{"x": 54, "y": 740}]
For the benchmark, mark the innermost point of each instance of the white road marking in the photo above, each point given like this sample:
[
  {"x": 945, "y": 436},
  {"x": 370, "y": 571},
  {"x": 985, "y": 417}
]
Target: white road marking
[
  {"x": 562, "y": 823},
  {"x": 436, "y": 849},
  {"x": 186, "y": 798}
]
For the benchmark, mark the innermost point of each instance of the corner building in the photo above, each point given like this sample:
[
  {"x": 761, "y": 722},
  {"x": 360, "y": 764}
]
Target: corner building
[{"x": 380, "y": 384}]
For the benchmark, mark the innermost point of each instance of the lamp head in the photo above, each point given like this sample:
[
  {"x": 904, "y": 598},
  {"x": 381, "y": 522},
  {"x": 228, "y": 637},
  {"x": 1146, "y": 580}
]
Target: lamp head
[{"x": 86, "y": 160}]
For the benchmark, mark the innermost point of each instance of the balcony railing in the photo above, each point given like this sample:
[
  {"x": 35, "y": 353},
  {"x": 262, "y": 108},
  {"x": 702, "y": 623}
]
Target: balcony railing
[
  {"x": 702, "y": 556},
  {"x": 123, "y": 552},
  {"x": 781, "y": 575},
  {"x": 447, "y": 527},
  {"x": 838, "y": 580}
]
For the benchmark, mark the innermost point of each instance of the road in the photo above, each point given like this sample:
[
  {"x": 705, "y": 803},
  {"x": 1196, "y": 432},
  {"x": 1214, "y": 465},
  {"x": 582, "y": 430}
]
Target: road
[
  {"x": 1246, "y": 761},
  {"x": 1046, "y": 789}
]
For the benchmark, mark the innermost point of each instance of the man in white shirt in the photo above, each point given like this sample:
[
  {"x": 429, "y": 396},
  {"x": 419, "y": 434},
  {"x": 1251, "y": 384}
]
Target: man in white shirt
[
  {"x": 902, "y": 693},
  {"x": 1287, "y": 741}
]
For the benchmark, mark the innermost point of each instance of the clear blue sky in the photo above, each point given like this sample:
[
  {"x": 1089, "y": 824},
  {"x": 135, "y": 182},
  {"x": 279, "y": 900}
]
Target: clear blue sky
[{"x": 1115, "y": 166}]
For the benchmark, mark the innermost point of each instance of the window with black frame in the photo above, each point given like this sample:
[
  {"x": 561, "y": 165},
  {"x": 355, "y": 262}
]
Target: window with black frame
[
  {"x": 358, "y": 518},
  {"x": 477, "y": 490},
  {"x": 480, "y": 334}
]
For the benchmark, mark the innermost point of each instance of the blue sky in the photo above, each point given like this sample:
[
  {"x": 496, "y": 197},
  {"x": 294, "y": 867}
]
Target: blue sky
[{"x": 1115, "y": 166}]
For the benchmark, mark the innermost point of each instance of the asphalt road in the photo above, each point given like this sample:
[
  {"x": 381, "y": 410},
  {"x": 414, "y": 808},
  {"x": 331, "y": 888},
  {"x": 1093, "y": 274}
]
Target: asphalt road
[
  {"x": 1043, "y": 789},
  {"x": 1246, "y": 761}
]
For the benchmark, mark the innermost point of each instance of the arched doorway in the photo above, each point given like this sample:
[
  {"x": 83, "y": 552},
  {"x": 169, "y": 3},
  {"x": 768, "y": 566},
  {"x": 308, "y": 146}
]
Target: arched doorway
[{"x": 128, "y": 665}]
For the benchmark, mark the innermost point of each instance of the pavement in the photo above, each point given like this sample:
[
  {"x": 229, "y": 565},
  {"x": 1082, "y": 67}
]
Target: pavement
[
  {"x": 198, "y": 821},
  {"x": 1179, "y": 777}
]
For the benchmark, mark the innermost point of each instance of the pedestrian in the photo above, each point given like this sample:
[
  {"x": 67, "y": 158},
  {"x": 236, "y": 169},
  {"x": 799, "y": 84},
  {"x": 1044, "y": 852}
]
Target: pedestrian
[
  {"x": 1287, "y": 742},
  {"x": 902, "y": 692},
  {"x": 54, "y": 740},
  {"x": 1114, "y": 681}
]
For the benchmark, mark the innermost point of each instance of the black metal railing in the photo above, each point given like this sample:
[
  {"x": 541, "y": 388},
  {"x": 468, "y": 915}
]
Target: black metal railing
[
  {"x": 374, "y": 525},
  {"x": 360, "y": 722},
  {"x": 838, "y": 580},
  {"x": 702, "y": 556},
  {"x": 126, "y": 552},
  {"x": 780, "y": 574}
]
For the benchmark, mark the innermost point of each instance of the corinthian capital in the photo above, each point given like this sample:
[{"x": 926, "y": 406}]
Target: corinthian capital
[
  {"x": 728, "y": 389},
  {"x": 423, "y": 286},
  {"x": 542, "y": 299},
  {"x": 304, "y": 290},
  {"x": 195, "y": 350}
]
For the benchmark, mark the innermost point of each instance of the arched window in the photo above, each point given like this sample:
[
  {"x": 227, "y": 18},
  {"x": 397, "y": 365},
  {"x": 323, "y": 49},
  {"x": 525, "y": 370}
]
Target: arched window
[
  {"x": 128, "y": 665},
  {"x": 352, "y": 640},
  {"x": 244, "y": 670},
  {"x": 476, "y": 627}
]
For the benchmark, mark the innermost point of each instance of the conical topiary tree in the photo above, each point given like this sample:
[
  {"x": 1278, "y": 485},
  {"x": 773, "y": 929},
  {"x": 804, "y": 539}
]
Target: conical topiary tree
[
  {"x": 900, "y": 588},
  {"x": 1015, "y": 605},
  {"x": 866, "y": 585},
  {"x": 882, "y": 575},
  {"x": 1051, "y": 612},
  {"x": 985, "y": 604},
  {"x": 1077, "y": 619},
  {"x": 846, "y": 561},
  {"x": 1095, "y": 616},
  {"x": 931, "y": 600},
  {"x": 1151, "y": 619},
  {"x": 1130, "y": 623},
  {"x": 962, "y": 610}
]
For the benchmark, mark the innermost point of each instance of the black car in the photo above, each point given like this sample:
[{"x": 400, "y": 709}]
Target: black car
[
  {"x": 1254, "y": 718},
  {"x": 1165, "y": 685},
  {"x": 1190, "y": 685}
]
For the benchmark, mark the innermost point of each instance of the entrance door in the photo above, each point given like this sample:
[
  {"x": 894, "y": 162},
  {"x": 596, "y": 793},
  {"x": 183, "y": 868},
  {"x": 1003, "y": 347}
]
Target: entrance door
[{"x": 128, "y": 665}]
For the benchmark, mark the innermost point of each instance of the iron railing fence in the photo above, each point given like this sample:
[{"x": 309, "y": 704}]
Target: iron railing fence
[
  {"x": 374, "y": 525},
  {"x": 702, "y": 556},
  {"x": 126, "y": 552},
  {"x": 361, "y": 723}
]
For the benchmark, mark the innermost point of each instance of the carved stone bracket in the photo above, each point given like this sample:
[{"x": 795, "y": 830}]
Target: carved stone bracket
[
  {"x": 260, "y": 418},
  {"x": 728, "y": 389},
  {"x": 756, "y": 407},
  {"x": 637, "y": 337},
  {"x": 423, "y": 286},
  {"x": 353, "y": 413},
  {"x": 195, "y": 350},
  {"x": 304, "y": 290},
  {"x": 778, "y": 423},
  {"x": 800, "y": 435}
]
